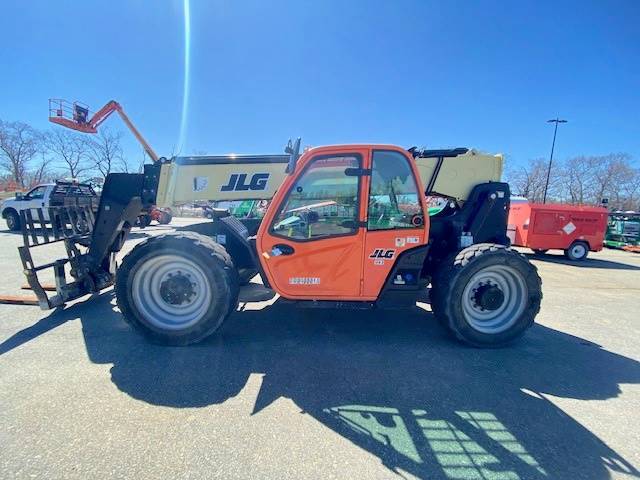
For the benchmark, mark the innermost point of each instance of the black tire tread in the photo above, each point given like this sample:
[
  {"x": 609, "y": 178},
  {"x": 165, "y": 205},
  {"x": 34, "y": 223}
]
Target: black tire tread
[
  {"x": 452, "y": 266},
  {"x": 16, "y": 225},
  {"x": 567, "y": 252},
  {"x": 214, "y": 250}
]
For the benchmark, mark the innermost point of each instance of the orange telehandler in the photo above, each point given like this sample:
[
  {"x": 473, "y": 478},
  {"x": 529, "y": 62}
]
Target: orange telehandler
[{"x": 347, "y": 226}]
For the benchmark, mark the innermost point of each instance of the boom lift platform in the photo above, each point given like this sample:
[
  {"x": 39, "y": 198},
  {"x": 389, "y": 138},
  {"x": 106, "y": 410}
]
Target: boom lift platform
[{"x": 346, "y": 226}]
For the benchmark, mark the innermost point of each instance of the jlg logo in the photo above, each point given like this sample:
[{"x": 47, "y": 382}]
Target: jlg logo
[
  {"x": 238, "y": 182},
  {"x": 382, "y": 253}
]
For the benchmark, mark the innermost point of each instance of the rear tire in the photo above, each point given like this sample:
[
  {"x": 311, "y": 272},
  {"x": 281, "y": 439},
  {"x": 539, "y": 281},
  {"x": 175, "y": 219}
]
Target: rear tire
[
  {"x": 577, "y": 251},
  {"x": 13, "y": 220},
  {"x": 177, "y": 288},
  {"x": 487, "y": 295}
]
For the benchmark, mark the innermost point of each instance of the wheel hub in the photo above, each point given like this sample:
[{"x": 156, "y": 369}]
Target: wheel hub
[
  {"x": 494, "y": 298},
  {"x": 488, "y": 297},
  {"x": 177, "y": 289}
]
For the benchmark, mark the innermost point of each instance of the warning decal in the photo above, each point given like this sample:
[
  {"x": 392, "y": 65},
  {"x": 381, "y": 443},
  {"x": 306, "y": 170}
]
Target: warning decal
[{"x": 569, "y": 228}]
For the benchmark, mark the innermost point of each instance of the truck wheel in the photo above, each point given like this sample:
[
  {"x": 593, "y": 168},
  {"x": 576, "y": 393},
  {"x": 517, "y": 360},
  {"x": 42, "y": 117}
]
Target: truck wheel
[
  {"x": 143, "y": 220},
  {"x": 577, "y": 251},
  {"x": 13, "y": 220},
  {"x": 165, "y": 218},
  {"x": 177, "y": 288},
  {"x": 487, "y": 295}
]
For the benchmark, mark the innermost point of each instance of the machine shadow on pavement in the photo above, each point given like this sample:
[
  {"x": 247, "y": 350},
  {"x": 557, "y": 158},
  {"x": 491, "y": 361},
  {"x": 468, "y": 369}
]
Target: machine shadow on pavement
[
  {"x": 393, "y": 384},
  {"x": 586, "y": 263}
]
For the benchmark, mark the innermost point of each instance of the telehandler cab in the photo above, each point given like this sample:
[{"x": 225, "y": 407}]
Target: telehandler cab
[{"x": 347, "y": 226}]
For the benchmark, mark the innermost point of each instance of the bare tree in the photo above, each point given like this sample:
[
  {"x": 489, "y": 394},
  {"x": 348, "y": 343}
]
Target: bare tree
[
  {"x": 42, "y": 171},
  {"x": 142, "y": 160},
  {"x": 630, "y": 190},
  {"x": 607, "y": 171},
  {"x": 105, "y": 152},
  {"x": 577, "y": 179},
  {"x": 584, "y": 180},
  {"x": 529, "y": 180},
  {"x": 19, "y": 143},
  {"x": 71, "y": 149}
]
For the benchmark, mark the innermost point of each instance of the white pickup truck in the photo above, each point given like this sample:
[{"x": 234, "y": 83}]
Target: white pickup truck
[{"x": 48, "y": 195}]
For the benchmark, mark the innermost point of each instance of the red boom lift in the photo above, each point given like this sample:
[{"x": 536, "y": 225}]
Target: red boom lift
[{"x": 76, "y": 117}]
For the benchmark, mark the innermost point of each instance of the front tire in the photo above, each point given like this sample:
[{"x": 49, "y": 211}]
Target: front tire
[
  {"x": 13, "y": 220},
  {"x": 487, "y": 295},
  {"x": 177, "y": 288}
]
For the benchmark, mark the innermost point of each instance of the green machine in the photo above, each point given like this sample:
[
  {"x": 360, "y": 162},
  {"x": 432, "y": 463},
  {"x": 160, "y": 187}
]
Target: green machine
[{"x": 623, "y": 230}]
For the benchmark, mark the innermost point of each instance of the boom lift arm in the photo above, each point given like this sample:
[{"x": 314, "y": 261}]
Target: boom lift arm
[{"x": 76, "y": 117}]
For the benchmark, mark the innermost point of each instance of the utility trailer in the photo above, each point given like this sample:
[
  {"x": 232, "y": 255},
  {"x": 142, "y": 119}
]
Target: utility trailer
[
  {"x": 347, "y": 226},
  {"x": 574, "y": 229}
]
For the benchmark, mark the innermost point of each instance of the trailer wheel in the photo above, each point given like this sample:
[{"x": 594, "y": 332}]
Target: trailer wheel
[
  {"x": 487, "y": 295},
  {"x": 177, "y": 288},
  {"x": 577, "y": 251},
  {"x": 13, "y": 220}
]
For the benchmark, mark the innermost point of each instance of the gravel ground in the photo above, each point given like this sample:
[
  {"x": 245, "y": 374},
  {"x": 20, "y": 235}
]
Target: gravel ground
[{"x": 281, "y": 392}]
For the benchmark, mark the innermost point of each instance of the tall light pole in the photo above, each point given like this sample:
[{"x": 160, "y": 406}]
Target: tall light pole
[{"x": 555, "y": 131}]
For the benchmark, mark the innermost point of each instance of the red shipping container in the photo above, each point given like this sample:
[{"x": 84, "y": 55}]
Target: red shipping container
[{"x": 541, "y": 227}]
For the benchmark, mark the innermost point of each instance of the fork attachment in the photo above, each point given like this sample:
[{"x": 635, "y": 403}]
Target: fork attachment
[
  {"x": 91, "y": 240},
  {"x": 71, "y": 225}
]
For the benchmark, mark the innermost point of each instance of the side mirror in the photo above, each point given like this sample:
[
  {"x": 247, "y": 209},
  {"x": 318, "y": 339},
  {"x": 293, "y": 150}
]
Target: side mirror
[{"x": 293, "y": 149}]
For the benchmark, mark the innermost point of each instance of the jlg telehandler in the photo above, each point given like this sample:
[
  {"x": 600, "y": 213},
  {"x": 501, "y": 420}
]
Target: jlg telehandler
[{"x": 347, "y": 226}]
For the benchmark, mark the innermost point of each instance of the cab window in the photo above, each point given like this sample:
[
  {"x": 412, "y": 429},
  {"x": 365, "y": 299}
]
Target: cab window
[
  {"x": 323, "y": 202},
  {"x": 36, "y": 194},
  {"x": 393, "y": 195}
]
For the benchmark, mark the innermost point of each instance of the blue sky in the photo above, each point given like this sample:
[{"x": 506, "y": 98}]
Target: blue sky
[{"x": 486, "y": 74}]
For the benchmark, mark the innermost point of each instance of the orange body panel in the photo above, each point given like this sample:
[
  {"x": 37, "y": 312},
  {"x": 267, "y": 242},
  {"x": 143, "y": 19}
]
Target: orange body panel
[
  {"x": 338, "y": 268},
  {"x": 375, "y": 273}
]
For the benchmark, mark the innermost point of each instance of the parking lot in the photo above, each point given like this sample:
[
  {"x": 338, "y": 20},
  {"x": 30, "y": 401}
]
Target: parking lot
[{"x": 281, "y": 392}]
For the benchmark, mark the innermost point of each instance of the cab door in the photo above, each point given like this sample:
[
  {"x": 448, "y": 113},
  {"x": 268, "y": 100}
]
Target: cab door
[
  {"x": 36, "y": 198},
  {"x": 311, "y": 239},
  {"x": 397, "y": 219}
]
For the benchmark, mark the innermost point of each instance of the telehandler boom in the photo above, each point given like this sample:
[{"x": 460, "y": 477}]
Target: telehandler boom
[{"x": 347, "y": 226}]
